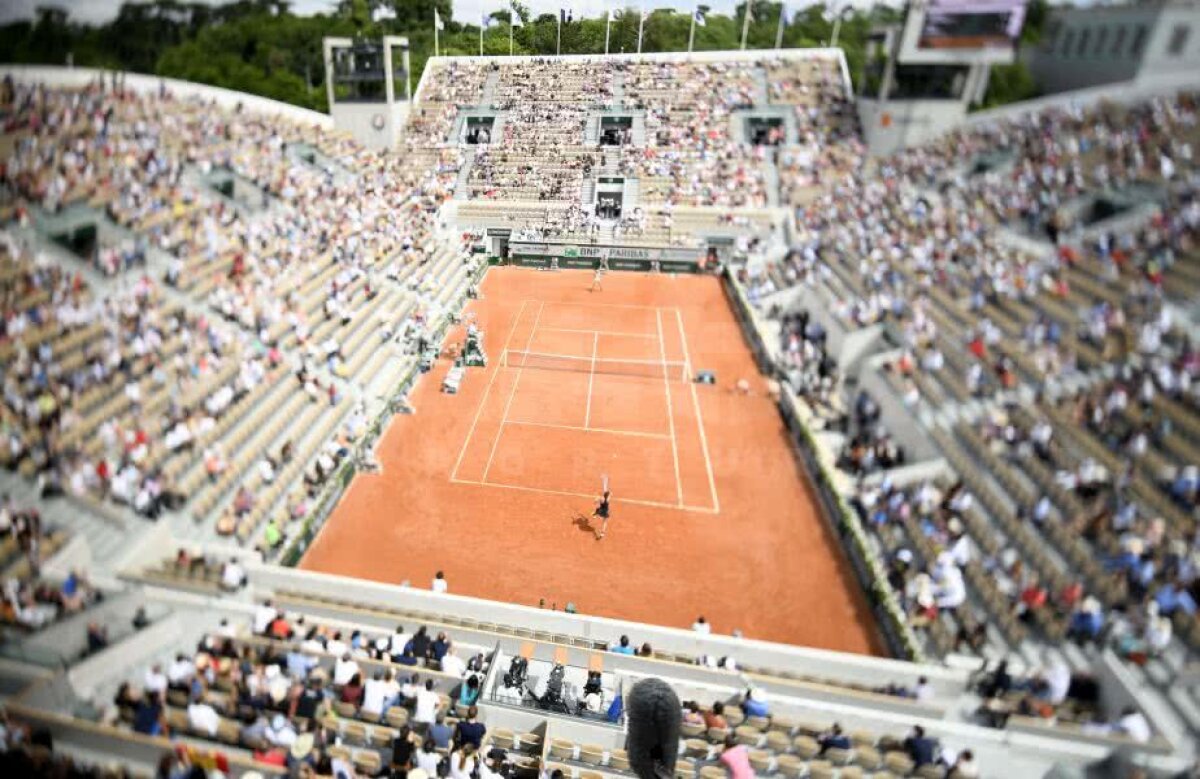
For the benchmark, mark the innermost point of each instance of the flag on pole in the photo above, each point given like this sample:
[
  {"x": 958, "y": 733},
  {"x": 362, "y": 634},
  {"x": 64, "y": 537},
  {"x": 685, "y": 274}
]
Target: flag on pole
[
  {"x": 516, "y": 17},
  {"x": 698, "y": 17},
  {"x": 438, "y": 24},
  {"x": 565, "y": 15},
  {"x": 748, "y": 17}
]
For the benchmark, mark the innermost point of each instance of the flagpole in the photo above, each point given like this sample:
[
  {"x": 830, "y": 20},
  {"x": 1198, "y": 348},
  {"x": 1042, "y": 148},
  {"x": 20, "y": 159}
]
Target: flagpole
[
  {"x": 436, "y": 21},
  {"x": 558, "y": 40},
  {"x": 481, "y": 18},
  {"x": 641, "y": 24},
  {"x": 746, "y": 23},
  {"x": 607, "y": 30},
  {"x": 511, "y": 14},
  {"x": 692, "y": 33},
  {"x": 779, "y": 31}
]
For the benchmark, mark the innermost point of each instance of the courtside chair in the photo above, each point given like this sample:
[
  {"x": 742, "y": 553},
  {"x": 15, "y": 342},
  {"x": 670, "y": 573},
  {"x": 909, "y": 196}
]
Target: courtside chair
[
  {"x": 691, "y": 730},
  {"x": 713, "y": 772},
  {"x": 562, "y": 749}
]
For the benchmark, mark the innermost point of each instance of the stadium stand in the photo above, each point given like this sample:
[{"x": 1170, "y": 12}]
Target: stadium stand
[{"x": 986, "y": 352}]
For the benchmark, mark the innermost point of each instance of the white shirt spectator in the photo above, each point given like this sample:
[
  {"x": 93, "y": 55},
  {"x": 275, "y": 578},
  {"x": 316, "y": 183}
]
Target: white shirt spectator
[
  {"x": 427, "y": 706},
  {"x": 232, "y": 575},
  {"x": 156, "y": 680},
  {"x": 1058, "y": 682},
  {"x": 701, "y": 626},
  {"x": 377, "y": 692},
  {"x": 1135, "y": 726},
  {"x": 203, "y": 718},
  {"x": 180, "y": 671},
  {"x": 453, "y": 664},
  {"x": 344, "y": 670},
  {"x": 439, "y": 584},
  {"x": 263, "y": 616}
]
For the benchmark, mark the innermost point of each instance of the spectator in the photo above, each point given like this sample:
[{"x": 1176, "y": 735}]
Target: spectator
[
  {"x": 97, "y": 637},
  {"x": 701, "y": 626},
  {"x": 623, "y": 647},
  {"x": 834, "y": 738},
  {"x": 463, "y": 762},
  {"x": 965, "y": 766},
  {"x": 439, "y": 584},
  {"x": 922, "y": 749},
  {"x": 754, "y": 704},
  {"x": 470, "y": 731},
  {"x": 403, "y": 748},
  {"x": 427, "y": 758},
  {"x": 736, "y": 759},
  {"x": 715, "y": 717},
  {"x": 427, "y": 704},
  {"x": 440, "y": 732}
]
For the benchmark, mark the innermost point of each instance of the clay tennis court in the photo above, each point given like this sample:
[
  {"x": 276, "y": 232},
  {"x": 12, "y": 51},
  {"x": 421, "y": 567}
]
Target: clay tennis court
[{"x": 495, "y": 485}]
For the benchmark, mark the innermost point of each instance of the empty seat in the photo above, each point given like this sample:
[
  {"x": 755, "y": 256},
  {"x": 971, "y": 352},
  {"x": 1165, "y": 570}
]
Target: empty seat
[
  {"x": 898, "y": 763},
  {"x": 591, "y": 754},
  {"x": 806, "y": 747}
]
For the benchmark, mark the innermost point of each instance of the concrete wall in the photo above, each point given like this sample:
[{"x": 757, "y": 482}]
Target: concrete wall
[
  {"x": 359, "y": 119},
  {"x": 75, "y": 78},
  {"x": 889, "y": 126},
  {"x": 1158, "y": 59},
  {"x": 816, "y": 662},
  {"x": 1057, "y": 63}
]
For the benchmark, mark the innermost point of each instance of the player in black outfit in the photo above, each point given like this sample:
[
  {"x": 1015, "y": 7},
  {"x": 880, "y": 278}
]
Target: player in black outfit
[{"x": 601, "y": 513}]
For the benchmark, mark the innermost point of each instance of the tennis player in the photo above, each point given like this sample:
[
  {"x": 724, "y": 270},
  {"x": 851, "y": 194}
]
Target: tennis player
[
  {"x": 601, "y": 513},
  {"x": 597, "y": 280}
]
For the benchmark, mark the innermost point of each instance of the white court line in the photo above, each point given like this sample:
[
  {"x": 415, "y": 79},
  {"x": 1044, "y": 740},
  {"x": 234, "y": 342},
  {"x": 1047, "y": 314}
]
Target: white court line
[
  {"x": 687, "y": 361},
  {"x": 607, "y": 431},
  {"x": 662, "y": 351},
  {"x": 587, "y": 415},
  {"x": 615, "y": 333},
  {"x": 590, "y": 496},
  {"x": 483, "y": 402},
  {"x": 512, "y": 394},
  {"x": 597, "y": 305}
]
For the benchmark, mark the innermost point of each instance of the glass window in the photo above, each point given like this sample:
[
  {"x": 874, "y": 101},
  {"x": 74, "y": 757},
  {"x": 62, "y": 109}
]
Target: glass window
[
  {"x": 1118, "y": 42},
  {"x": 1101, "y": 39},
  {"x": 1083, "y": 43},
  {"x": 1139, "y": 40},
  {"x": 1179, "y": 39},
  {"x": 1067, "y": 40}
]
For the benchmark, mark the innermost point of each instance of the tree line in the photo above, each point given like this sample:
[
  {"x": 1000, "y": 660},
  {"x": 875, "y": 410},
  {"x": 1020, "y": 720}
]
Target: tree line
[{"x": 261, "y": 47}]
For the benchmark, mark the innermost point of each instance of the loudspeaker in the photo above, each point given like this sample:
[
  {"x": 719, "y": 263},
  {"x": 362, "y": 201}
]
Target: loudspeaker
[{"x": 706, "y": 377}]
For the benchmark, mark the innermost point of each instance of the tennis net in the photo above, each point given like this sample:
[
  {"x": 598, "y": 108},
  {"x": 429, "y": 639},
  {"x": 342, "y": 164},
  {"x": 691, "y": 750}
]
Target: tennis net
[{"x": 670, "y": 370}]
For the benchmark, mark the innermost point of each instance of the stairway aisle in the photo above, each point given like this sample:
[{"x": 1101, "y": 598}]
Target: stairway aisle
[
  {"x": 489, "y": 89},
  {"x": 464, "y": 173}
]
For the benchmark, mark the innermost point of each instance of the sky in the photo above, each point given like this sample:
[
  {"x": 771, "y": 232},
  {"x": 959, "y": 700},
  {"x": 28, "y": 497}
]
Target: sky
[{"x": 99, "y": 11}]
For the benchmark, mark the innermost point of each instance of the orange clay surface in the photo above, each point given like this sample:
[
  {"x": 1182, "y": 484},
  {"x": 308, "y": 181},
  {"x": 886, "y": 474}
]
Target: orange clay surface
[{"x": 496, "y": 485}]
